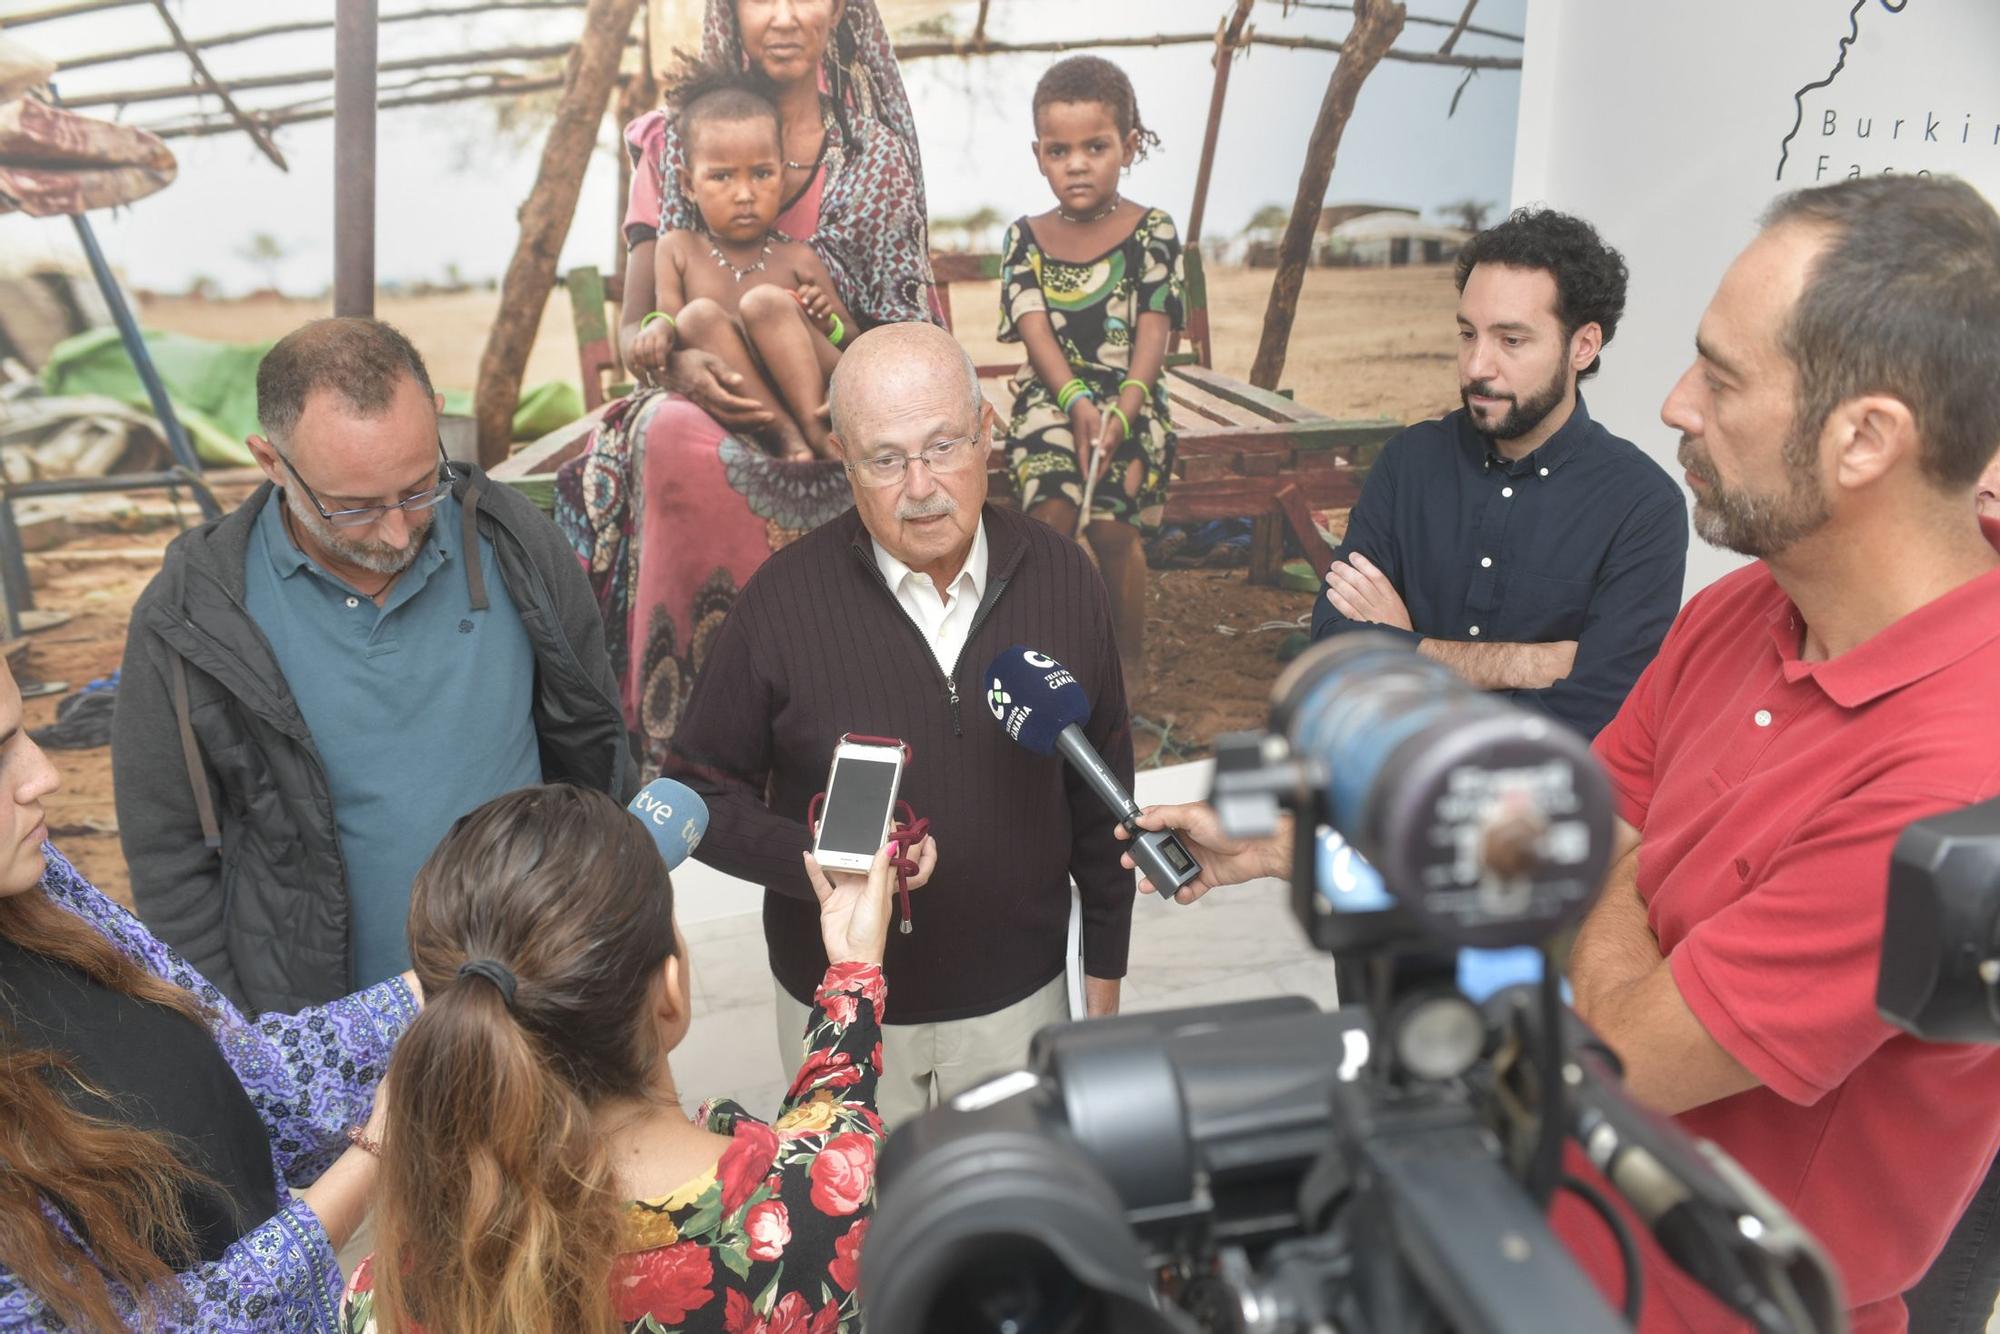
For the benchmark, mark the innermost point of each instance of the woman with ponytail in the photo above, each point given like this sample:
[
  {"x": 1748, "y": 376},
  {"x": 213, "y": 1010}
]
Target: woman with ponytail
[
  {"x": 543, "y": 1177},
  {"x": 148, "y": 1132}
]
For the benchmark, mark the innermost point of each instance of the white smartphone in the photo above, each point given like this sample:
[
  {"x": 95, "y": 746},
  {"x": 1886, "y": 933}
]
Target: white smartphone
[{"x": 860, "y": 804}]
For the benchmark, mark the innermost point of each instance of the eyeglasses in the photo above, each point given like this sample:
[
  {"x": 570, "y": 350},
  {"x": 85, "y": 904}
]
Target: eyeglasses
[
  {"x": 367, "y": 514},
  {"x": 889, "y": 467}
]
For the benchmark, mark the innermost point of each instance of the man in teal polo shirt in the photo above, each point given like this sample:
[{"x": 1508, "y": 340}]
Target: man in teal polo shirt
[{"x": 319, "y": 683}]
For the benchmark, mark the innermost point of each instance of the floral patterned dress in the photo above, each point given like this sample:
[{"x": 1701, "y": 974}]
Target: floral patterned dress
[
  {"x": 768, "y": 1241},
  {"x": 310, "y": 1076},
  {"x": 1095, "y": 310}
]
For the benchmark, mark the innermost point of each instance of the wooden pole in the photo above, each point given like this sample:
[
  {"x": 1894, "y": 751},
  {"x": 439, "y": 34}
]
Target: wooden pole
[
  {"x": 1226, "y": 39},
  {"x": 1377, "y": 23},
  {"x": 545, "y": 220},
  {"x": 354, "y": 75},
  {"x": 257, "y": 133}
]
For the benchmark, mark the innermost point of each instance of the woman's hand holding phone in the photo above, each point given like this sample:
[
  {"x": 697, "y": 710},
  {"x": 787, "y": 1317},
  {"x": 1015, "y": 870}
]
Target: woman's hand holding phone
[{"x": 854, "y": 908}]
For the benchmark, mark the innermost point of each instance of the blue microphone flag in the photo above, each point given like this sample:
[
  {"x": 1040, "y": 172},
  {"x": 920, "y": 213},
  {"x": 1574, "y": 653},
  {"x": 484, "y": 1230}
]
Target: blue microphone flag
[{"x": 1034, "y": 697}]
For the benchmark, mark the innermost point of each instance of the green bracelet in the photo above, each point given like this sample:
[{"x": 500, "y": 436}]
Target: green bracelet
[
  {"x": 658, "y": 315},
  {"x": 1123, "y": 420},
  {"x": 839, "y": 330},
  {"x": 1070, "y": 392},
  {"x": 1142, "y": 386}
]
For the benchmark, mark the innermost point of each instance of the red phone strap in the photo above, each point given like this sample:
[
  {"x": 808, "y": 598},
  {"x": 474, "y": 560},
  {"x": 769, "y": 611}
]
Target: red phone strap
[{"x": 907, "y": 833}]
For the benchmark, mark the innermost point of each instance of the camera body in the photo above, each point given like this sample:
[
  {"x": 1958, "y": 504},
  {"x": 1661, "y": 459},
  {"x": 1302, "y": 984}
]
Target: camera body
[
  {"x": 1940, "y": 973},
  {"x": 1267, "y": 1168}
]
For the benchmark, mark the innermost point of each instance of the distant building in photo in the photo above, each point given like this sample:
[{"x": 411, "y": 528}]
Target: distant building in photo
[
  {"x": 1389, "y": 238},
  {"x": 1364, "y": 235}
]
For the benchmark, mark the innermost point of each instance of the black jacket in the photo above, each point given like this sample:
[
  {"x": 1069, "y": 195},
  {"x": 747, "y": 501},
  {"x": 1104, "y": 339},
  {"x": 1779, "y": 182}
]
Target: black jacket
[{"x": 223, "y": 803}]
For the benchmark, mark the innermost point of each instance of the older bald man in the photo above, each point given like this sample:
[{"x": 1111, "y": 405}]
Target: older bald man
[{"x": 880, "y": 623}]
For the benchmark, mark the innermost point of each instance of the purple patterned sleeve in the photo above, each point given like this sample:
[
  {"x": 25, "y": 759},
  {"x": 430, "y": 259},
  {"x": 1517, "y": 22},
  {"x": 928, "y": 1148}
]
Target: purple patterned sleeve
[
  {"x": 280, "y": 1276},
  {"x": 310, "y": 1075}
]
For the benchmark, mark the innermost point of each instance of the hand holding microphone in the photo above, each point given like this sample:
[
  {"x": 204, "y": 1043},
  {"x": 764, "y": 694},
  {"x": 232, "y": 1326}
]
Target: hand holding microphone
[
  {"x": 1039, "y": 704},
  {"x": 1221, "y": 860}
]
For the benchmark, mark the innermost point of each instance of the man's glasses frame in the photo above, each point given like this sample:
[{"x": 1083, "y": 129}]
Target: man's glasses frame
[
  {"x": 943, "y": 457},
  {"x": 367, "y": 514}
]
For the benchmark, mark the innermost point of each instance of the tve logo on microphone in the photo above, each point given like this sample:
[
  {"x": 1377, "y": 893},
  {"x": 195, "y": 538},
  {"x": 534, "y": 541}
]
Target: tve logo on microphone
[{"x": 655, "y": 805}]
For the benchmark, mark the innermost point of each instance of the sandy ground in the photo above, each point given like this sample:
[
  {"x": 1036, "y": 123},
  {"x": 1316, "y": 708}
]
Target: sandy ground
[{"x": 1367, "y": 343}]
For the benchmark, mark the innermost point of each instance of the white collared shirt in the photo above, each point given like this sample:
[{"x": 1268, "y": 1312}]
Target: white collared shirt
[{"x": 944, "y": 620}]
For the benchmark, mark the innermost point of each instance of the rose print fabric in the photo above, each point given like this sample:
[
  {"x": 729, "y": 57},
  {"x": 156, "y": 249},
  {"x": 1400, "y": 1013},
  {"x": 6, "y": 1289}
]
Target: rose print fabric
[
  {"x": 310, "y": 1076},
  {"x": 768, "y": 1241}
]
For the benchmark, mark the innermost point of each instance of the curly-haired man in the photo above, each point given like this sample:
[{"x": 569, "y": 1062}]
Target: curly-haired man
[{"x": 1517, "y": 540}]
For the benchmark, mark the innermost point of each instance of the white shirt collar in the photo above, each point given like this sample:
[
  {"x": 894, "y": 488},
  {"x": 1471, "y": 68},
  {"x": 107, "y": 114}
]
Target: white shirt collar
[{"x": 971, "y": 580}]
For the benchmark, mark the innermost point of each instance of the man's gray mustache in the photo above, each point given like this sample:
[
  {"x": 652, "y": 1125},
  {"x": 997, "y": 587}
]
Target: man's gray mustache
[{"x": 931, "y": 507}]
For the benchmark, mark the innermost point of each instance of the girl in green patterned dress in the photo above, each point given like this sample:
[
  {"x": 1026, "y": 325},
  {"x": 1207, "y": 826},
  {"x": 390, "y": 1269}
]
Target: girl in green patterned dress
[{"x": 1093, "y": 289}]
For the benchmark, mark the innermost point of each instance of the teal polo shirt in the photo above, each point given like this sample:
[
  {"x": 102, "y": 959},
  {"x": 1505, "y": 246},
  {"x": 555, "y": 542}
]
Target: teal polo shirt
[{"x": 422, "y": 709}]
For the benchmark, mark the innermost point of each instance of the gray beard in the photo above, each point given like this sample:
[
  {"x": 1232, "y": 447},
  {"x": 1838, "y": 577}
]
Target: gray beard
[
  {"x": 1757, "y": 526},
  {"x": 375, "y": 557}
]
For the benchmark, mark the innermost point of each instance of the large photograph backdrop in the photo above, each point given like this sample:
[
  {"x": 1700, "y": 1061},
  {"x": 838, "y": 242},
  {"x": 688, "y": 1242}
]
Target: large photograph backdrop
[{"x": 1672, "y": 126}]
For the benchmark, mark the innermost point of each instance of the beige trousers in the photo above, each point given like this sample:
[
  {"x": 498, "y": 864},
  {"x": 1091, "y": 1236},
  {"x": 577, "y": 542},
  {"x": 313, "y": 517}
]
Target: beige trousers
[{"x": 924, "y": 1064}]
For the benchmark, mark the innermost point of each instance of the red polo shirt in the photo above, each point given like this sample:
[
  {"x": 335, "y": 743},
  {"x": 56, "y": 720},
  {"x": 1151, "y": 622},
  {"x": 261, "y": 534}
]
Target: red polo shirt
[{"x": 1770, "y": 792}]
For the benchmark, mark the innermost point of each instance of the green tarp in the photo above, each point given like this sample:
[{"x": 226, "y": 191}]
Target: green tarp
[{"x": 214, "y": 388}]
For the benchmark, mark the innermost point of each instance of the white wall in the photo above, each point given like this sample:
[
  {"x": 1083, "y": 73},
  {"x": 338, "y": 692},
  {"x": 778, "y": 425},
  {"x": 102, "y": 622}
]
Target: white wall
[{"x": 1662, "y": 124}]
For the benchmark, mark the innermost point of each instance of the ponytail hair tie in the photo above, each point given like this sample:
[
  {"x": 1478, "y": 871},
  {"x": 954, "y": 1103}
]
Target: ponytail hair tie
[{"x": 499, "y": 974}]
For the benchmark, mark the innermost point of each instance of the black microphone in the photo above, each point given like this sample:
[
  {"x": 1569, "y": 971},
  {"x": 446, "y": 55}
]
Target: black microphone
[
  {"x": 1039, "y": 704},
  {"x": 1707, "y": 1214}
]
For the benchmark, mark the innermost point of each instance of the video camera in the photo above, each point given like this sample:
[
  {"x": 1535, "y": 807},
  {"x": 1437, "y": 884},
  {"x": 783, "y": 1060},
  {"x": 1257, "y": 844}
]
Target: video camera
[{"x": 1265, "y": 1167}]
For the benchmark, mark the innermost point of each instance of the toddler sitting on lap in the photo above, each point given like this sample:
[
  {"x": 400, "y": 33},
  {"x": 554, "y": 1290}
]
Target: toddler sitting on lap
[{"x": 739, "y": 289}]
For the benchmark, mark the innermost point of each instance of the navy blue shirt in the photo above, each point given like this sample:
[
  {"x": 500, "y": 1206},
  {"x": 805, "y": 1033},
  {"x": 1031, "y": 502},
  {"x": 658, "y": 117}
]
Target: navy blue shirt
[{"x": 1585, "y": 539}]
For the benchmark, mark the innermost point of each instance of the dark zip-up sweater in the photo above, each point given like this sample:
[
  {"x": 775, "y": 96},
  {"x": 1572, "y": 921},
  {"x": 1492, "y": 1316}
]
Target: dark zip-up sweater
[{"x": 817, "y": 646}]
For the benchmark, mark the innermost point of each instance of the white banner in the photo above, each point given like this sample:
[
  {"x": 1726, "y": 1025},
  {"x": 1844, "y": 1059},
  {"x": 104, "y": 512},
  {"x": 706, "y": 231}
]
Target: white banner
[{"x": 1671, "y": 126}]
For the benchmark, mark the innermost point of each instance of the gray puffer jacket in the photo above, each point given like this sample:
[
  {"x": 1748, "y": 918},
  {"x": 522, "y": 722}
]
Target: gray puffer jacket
[{"x": 223, "y": 802}]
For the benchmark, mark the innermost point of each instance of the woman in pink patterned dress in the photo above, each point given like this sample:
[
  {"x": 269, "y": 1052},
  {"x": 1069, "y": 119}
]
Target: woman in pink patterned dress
[
  {"x": 540, "y": 1173},
  {"x": 671, "y": 510}
]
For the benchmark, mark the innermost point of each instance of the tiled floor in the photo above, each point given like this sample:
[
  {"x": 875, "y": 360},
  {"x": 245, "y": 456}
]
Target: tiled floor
[{"x": 1232, "y": 945}]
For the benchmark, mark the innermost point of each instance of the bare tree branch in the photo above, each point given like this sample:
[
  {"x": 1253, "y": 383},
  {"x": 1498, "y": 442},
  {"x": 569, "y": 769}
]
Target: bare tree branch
[
  {"x": 545, "y": 220},
  {"x": 1377, "y": 24},
  {"x": 1411, "y": 20},
  {"x": 1458, "y": 30},
  {"x": 923, "y": 50}
]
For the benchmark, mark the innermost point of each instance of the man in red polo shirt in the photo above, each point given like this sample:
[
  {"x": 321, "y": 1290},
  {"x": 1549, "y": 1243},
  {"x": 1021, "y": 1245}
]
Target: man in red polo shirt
[{"x": 1843, "y": 401}]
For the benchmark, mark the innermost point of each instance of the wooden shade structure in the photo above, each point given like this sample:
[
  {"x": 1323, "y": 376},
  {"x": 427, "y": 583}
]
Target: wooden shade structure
[{"x": 619, "y": 49}]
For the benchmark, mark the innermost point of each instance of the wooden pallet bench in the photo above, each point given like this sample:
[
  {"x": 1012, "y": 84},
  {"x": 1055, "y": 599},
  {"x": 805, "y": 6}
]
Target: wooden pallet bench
[{"x": 1243, "y": 452}]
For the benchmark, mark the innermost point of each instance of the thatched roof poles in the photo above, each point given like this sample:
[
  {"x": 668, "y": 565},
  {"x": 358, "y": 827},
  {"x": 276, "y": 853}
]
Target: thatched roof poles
[
  {"x": 208, "y": 80},
  {"x": 309, "y": 25}
]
